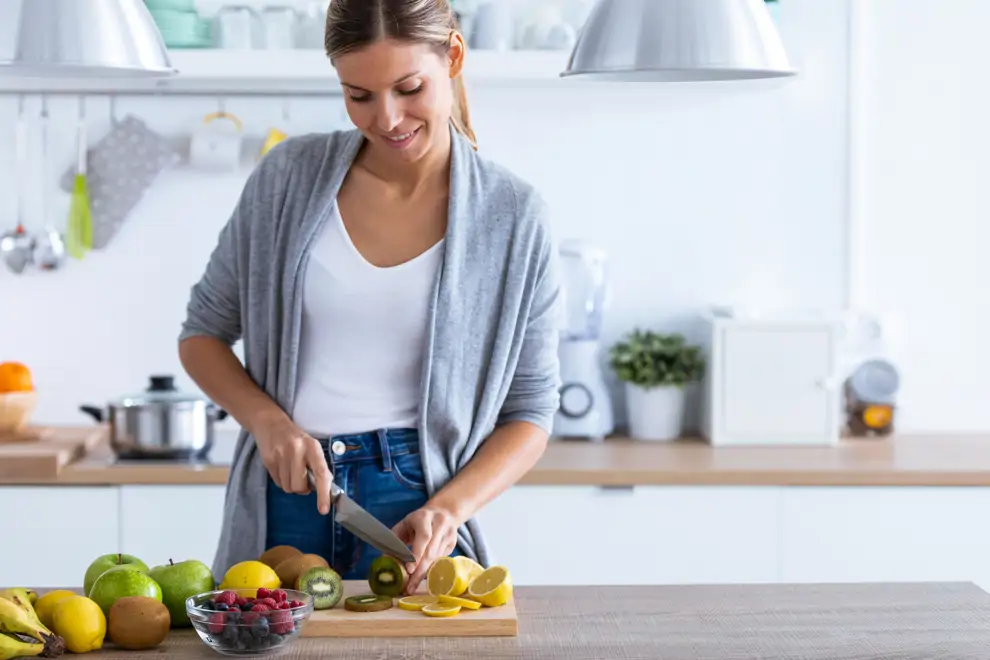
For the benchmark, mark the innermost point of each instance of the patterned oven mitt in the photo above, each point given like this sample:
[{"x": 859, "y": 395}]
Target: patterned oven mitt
[{"x": 120, "y": 168}]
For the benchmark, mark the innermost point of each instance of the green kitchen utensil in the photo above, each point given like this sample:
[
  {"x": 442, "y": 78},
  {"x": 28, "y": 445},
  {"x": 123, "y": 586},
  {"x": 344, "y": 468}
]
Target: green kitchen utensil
[{"x": 79, "y": 236}]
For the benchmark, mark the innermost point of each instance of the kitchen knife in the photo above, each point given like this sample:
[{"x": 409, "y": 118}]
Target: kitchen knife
[{"x": 353, "y": 517}]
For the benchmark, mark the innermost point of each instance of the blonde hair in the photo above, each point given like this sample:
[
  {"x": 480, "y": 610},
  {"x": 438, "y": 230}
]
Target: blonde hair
[{"x": 352, "y": 24}]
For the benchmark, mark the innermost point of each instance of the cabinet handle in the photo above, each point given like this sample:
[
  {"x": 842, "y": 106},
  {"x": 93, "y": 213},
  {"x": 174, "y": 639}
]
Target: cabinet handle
[{"x": 606, "y": 489}]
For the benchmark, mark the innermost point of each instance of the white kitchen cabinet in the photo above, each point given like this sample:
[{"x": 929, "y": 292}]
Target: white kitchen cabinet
[
  {"x": 51, "y": 534},
  {"x": 867, "y": 534},
  {"x": 566, "y": 535},
  {"x": 772, "y": 382},
  {"x": 159, "y": 523}
]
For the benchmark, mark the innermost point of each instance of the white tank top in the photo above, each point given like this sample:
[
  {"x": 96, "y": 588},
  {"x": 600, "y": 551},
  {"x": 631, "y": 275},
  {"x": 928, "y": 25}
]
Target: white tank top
[{"x": 363, "y": 337}]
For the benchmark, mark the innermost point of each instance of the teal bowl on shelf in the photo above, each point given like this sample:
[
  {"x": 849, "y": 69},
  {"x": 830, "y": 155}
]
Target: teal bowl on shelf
[
  {"x": 171, "y": 5},
  {"x": 182, "y": 29}
]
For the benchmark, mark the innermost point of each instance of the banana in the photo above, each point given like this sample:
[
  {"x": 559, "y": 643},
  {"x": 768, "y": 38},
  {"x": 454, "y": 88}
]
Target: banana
[
  {"x": 31, "y": 594},
  {"x": 22, "y": 599},
  {"x": 11, "y": 647},
  {"x": 14, "y": 619}
]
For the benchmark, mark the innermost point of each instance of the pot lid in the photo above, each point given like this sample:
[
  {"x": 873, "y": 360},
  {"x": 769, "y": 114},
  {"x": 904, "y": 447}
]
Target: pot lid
[{"x": 161, "y": 389}]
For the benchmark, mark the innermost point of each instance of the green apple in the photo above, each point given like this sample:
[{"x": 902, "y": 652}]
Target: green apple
[
  {"x": 120, "y": 581},
  {"x": 179, "y": 582},
  {"x": 102, "y": 563}
]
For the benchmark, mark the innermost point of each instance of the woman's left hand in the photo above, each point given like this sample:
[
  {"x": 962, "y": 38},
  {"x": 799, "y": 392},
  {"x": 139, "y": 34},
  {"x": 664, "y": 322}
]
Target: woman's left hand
[{"x": 432, "y": 533}]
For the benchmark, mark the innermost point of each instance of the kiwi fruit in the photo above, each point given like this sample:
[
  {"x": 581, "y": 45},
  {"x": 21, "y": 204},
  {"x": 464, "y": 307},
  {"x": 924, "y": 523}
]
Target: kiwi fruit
[
  {"x": 387, "y": 576},
  {"x": 367, "y": 603},
  {"x": 138, "y": 622},
  {"x": 323, "y": 584},
  {"x": 289, "y": 570},
  {"x": 272, "y": 557}
]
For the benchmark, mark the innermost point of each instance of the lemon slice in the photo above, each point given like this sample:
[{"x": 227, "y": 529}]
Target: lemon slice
[
  {"x": 416, "y": 603},
  {"x": 462, "y": 602},
  {"x": 447, "y": 577},
  {"x": 440, "y": 609},
  {"x": 492, "y": 588}
]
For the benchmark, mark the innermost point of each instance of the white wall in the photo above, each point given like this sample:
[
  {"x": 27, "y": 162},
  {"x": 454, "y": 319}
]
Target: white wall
[{"x": 715, "y": 194}]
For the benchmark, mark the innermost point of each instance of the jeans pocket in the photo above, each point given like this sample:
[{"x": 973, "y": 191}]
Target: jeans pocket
[{"x": 407, "y": 470}]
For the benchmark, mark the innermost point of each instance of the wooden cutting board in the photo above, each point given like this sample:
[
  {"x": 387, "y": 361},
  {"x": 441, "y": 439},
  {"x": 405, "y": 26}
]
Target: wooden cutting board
[
  {"x": 41, "y": 452},
  {"x": 395, "y": 622}
]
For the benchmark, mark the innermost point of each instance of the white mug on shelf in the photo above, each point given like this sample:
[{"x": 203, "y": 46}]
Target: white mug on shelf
[{"x": 216, "y": 145}]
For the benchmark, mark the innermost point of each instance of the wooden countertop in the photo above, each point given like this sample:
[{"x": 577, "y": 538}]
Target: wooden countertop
[
  {"x": 771, "y": 622},
  {"x": 921, "y": 460}
]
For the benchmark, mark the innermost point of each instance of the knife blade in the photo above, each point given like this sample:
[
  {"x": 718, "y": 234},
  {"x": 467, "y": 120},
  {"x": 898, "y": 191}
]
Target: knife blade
[{"x": 354, "y": 518}]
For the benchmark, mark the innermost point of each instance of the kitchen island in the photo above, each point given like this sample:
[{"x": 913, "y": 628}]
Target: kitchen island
[{"x": 701, "y": 622}]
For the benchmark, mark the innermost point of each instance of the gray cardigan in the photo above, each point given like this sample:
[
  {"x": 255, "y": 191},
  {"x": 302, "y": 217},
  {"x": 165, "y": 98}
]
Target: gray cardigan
[{"x": 491, "y": 353}]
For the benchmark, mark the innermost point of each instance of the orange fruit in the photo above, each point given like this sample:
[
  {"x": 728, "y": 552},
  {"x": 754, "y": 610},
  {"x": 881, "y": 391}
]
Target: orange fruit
[{"x": 15, "y": 377}]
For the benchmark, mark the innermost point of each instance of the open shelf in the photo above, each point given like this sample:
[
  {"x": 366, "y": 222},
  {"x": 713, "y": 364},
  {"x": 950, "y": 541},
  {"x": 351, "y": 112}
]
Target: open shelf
[{"x": 287, "y": 72}]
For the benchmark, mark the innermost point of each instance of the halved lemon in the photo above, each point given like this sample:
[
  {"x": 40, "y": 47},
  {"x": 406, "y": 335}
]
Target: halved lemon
[
  {"x": 447, "y": 577},
  {"x": 440, "y": 609},
  {"x": 462, "y": 602},
  {"x": 416, "y": 603},
  {"x": 492, "y": 588}
]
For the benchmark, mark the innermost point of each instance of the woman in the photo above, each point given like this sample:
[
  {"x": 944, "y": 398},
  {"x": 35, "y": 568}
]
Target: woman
[{"x": 397, "y": 294}]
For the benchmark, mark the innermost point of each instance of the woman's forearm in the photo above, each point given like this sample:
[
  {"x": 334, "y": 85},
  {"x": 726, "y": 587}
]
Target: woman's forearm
[
  {"x": 503, "y": 458},
  {"x": 217, "y": 371}
]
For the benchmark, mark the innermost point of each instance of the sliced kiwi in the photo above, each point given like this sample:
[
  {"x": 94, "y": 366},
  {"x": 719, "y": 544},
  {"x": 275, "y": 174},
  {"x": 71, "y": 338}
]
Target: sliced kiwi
[
  {"x": 323, "y": 584},
  {"x": 387, "y": 576},
  {"x": 367, "y": 603}
]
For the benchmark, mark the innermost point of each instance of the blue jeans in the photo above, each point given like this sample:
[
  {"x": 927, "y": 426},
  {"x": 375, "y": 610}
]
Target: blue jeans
[{"x": 380, "y": 470}]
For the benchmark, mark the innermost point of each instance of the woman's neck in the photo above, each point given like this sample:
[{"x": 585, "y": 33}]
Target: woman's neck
[{"x": 409, "y": 179}]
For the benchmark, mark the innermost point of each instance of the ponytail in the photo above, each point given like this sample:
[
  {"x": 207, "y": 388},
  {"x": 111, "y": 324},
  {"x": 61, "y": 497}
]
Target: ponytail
[{"x": 460, "y": 117}]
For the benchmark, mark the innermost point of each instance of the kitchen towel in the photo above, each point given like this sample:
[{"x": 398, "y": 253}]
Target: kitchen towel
[{"x": 120, "y": 168}]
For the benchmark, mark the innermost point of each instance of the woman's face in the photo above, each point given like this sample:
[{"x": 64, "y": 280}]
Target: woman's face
[{"x": 399, "y": 94}]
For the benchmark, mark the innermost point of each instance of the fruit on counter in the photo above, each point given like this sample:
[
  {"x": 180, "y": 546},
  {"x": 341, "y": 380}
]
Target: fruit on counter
[
  {"x": 104, "y": 562},
  {"x": 251, "y": 574},
  {"x": 492, "y": 588},
  {"x": 81, "y": 623},
  {"x": 138, "y": 622},
  {"x": 180, "y": 581},
  {"x": 290, "y": 569},
  {"x": 276, "y": 555},
  {"x": 8, "y": 593},
  {"x": 387, "y": 576},
  {"x": 451, "y": 576},
  {"x": 15, "y": 647},
  {"x": 441, "y": 609},
  {"x": 416, "y": 603},
  {"x": 367, "y": 603},
  {"x": 17, "y": 617},
  {"x": 45, "y": 605},
  {"x": 15, "y": 377},
  {"x": 323, "y": 584},
  {"x": 121, "y": 581},
  {"x": 250, "y": 623}
]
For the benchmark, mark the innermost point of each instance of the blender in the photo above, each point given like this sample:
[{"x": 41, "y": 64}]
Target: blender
[{"x": 585, "y": 403}]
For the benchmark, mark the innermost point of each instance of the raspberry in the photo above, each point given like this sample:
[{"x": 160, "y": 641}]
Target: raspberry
[
  {"x": 240, "y": 601},
  {"x": 284, "y": 605},
  {"x": 235, "y": 608},
  {"x": 250, "y": 617},
  {"x": 263, "y": 592},
  {"x": 216, "y": 623},
  {"x": 270, "y": 602},
  {"x": 280, "y": 596},
  {"x": 281, "y": 622},
  {"x": 295, "y": 603},
  {"x": 260, "y": 607},
  {"x": 227, "y": 598}
]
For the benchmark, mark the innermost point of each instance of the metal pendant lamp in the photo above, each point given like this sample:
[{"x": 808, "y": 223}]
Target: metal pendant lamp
[
  {"x": 678, "y": 41},
  {"x": 80, "y": 39}
]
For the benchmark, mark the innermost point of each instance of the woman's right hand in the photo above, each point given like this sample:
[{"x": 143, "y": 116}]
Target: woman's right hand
[{"x": 286, "y": 450}]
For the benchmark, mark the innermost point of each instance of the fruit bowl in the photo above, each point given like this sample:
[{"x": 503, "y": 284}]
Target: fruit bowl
[
  {"x": 16, "y": 409},
  {"x": 232, "y": 621}
]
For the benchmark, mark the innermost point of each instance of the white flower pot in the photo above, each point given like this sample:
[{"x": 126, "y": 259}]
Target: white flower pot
[{"x": 656, "y": 413}]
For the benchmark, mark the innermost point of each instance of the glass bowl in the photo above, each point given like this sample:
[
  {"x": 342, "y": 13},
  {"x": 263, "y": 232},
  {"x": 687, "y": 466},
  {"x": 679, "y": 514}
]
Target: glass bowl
[{"x": 239, "y": 632}]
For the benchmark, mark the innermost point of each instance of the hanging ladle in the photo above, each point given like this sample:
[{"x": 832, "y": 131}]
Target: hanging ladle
[{"x": 17, "y": 246}]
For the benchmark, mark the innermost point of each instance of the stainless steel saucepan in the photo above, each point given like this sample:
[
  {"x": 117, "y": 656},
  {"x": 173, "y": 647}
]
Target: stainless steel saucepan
[{"x": 159, "y": 423}]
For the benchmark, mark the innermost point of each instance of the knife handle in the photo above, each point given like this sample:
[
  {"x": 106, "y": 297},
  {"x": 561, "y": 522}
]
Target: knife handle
[{"x": 335, "y": 490}]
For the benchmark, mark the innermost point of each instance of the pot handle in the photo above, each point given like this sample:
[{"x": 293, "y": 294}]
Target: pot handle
[
  {"x": 94, "y": 412},
  {"x": 219, "y": 414}
]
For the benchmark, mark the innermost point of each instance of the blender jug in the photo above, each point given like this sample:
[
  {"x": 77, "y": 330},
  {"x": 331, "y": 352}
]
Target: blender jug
[{"x": 584, "y": 290}]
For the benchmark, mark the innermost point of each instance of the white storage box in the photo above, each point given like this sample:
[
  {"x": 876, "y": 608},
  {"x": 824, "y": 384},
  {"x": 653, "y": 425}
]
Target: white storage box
[{"x": 772, "y": 381}]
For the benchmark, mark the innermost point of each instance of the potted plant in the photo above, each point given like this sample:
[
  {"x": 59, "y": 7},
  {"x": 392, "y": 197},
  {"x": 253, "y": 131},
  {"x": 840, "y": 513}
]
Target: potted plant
[{"x": 655, "y": 368}]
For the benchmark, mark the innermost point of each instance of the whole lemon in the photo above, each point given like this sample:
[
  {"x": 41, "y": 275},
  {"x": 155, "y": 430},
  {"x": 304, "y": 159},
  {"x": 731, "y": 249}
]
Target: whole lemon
[
  {"x": 44, "y": 607},
  {"x": 81, "y": 623},
  {"x": 250, "y": 575}
]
